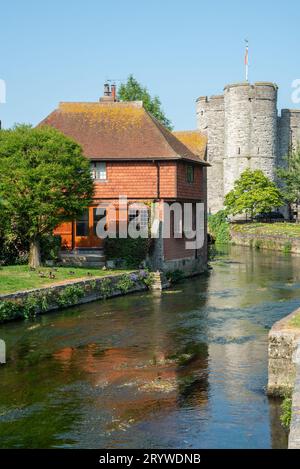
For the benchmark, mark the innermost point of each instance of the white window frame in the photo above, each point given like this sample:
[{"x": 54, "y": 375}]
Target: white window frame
[
  {"x": 99, "y": 170},
  {"x": 139, "y": 216}
]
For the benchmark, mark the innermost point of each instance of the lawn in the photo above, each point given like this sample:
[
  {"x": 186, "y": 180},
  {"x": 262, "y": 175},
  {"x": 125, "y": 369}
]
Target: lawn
[
  {"x": 20, "y": 277},
  {"x": 291, "y": 230},
  {"x": 295, "y": 321}
]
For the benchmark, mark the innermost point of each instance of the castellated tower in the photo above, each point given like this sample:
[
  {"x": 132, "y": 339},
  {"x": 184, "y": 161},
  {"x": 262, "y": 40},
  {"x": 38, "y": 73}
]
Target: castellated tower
[
  {"x": 243, "y": 131},
  {"x": 211, "y": 121},
  {"x": 288, "y": 133},
  {"x": 250, "y": 130}
]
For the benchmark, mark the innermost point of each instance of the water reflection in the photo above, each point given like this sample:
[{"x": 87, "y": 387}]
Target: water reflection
[{"x": 185, "y": 368}]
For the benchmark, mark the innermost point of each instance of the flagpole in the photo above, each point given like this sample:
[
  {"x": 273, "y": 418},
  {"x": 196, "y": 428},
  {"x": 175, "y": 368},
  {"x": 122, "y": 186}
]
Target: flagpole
[{"x": 246, "y": 59}]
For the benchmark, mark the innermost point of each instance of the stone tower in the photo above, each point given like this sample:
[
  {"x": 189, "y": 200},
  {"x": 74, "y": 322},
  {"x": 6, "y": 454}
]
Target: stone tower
[
  {"x": 211, "y": 121},
  {"x": 244, "y": 131}
]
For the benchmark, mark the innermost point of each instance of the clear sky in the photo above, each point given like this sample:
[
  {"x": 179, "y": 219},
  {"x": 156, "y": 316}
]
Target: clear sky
[{"x": 64, "y": 50}]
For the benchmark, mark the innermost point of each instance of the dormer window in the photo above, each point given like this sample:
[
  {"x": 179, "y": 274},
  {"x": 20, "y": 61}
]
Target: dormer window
[{"x": 98, "y": 170}]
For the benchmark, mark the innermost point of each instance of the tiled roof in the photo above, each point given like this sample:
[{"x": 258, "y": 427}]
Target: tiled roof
[
  {"x": 118, "y": 130},
  {"x": 194, "y": 140}
]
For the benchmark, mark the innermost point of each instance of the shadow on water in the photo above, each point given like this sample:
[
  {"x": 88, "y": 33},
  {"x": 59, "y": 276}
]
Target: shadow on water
[{"x": 187, "y": 368}]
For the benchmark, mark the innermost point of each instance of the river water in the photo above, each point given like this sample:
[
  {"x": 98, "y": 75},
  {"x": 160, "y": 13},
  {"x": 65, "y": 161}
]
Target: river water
[{"x": 186, "y": 368}]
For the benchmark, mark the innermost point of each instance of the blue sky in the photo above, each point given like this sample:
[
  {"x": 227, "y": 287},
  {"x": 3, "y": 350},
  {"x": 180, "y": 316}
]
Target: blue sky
[{"x": 180, "y": 49}]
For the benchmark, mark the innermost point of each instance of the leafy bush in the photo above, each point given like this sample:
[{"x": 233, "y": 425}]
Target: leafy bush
[
  {"x": 146, "y": 277},
  {"x": 286, "y": 412},
  {"x": 132, "y": 251},
  {"x": 175, "y": 276},
  {"x": 106, "y": 287},
  {"x": 10, "y": 310},
  {"x": 70, "y": 295},
  {"x": 219, "y": 227},
  {"x": 125, "y": 283}
]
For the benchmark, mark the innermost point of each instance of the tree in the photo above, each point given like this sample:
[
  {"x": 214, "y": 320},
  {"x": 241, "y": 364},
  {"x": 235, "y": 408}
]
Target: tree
[
  {"x": 253, "y": 193},
  {"x": 291, "y": 177},
  {"x": 132, "y": 90},
  {"x": 44, "y": 180}
]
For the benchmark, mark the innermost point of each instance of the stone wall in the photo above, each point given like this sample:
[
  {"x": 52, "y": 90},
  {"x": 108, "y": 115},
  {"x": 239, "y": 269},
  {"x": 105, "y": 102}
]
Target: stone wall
[
  {"x": 211, "y": 121},
  {"x": 294, "y": 436},
  {"x": 284, "y": 370},
  {"x": 92, "y": 289},
  {"x": 273, "y": 243},
  {"x": 283, "y": 343}
]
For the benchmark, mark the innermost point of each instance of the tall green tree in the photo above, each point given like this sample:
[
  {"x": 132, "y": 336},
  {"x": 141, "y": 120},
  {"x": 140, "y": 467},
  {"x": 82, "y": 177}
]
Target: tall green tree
[
  {"x": 290, "y": 175},
  {"x": 44, "y": 180},
  {"x": 253, "y": 193},
  {"x": 132, "y": 90}
]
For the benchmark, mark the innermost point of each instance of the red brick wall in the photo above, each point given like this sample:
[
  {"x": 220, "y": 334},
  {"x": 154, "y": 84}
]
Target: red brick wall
[
  {"x": 187, "y": 190},
  {"x": 137, "y": 180},
  {"x": 168, "y": 183},
  {"x": 174, "y": 248}
]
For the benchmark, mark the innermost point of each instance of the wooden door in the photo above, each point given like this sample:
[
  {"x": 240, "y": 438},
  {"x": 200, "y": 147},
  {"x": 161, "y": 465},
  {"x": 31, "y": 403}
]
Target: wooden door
[{"x": 85, "y": 230}]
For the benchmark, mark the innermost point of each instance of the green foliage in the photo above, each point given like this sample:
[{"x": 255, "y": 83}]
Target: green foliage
[
  {"x": 219, "y": 227},
  {"x": 287, "y": 247},
  {"x": 125, "y": 283},
  {"x": 257, "y": 244},
  {"x": 147, "y": 278},
  {"x": 132, "y": 90},
  {"x": 9, "y": 310},
  {"x": 13, "y": 245},
  {"x": 50, "y": 247},
  {"x": 290, "y": 175},
  {"x": 70, "y": 295},
  {"x": 253, "y": 193},
  {"x": 106, "y": 287},
  {"x": 286, "y": 412},
  {"x": 175, "y": 276},
  {"x": 132, "y": 251},
  {"x": 27, "y": 309},
  {"x": 44, "y": 181}
]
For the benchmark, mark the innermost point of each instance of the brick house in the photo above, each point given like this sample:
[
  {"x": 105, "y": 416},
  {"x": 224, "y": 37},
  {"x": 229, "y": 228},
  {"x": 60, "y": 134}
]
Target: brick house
[{"x": 133, "y": 155}]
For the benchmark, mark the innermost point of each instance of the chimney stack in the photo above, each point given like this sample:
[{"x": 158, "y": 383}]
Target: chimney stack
[
  {"x": 114, "y": 92},
  {"x": 106, "y": 89},
  {"x": 110, "y": 94}
]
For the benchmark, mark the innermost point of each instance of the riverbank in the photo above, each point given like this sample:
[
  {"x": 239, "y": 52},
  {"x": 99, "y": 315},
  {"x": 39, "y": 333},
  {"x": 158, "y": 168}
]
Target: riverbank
[
  {"x": 29, "y": 303},
  {"x": 283, "y": 237},
  {"x": 284, "y": 368}
]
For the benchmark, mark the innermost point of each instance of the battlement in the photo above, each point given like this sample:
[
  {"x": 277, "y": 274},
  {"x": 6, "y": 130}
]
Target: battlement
[
  {"x": 252, "y": 85},
  {"x": 208, "y": 99}
]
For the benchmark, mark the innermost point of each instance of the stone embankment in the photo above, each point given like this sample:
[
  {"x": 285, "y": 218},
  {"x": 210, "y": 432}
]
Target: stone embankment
[
  {"x": 272, "y": 242},
  {"x": 284, "y": 369},
  {"x": 71, "y": 293}
]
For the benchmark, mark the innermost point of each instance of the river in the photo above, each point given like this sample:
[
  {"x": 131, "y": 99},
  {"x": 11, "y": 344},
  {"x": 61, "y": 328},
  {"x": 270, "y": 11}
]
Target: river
[{"x": 186, "y": 368}]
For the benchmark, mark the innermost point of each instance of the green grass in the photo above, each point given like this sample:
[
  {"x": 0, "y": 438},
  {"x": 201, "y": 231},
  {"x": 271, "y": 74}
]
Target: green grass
[
  {"x": 19, "y": 277},
  {"x": 295, "y": 321},
  {"x": 291, "y": 230}
]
